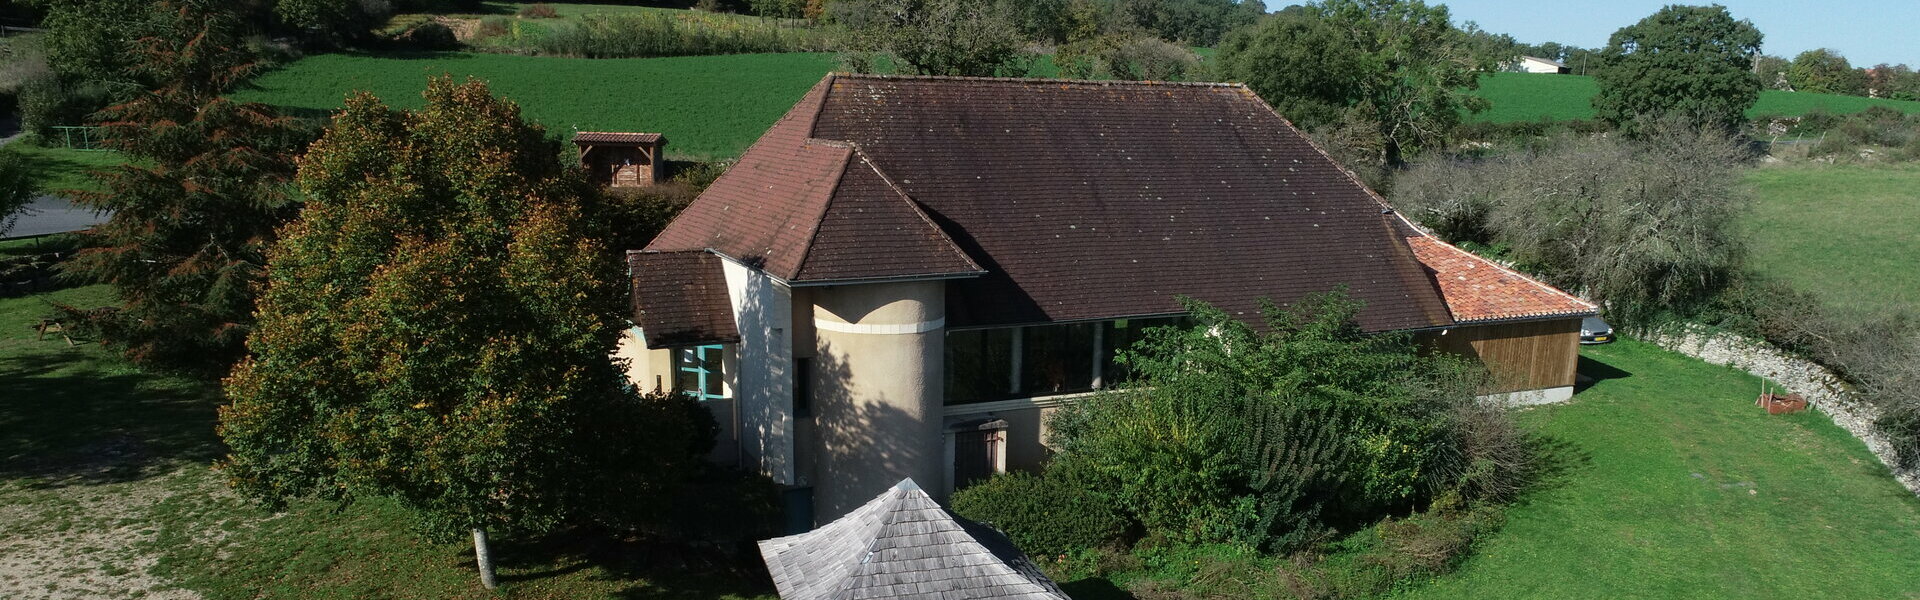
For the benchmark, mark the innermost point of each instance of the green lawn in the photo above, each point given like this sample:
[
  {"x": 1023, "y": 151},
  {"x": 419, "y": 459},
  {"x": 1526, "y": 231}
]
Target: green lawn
[
  {"x": 106, "y": 492},
  {"x": 709, "y": 107},
  {"x": 1531, "y": 97},
  {"x": 63, "y": 169},
  {"x": 1848, "y": 233},
  {"x": 1683, "y": 489}
]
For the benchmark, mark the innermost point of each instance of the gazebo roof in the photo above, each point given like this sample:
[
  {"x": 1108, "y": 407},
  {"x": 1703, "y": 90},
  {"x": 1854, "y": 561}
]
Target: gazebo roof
[{"x": 902, "y": 544}]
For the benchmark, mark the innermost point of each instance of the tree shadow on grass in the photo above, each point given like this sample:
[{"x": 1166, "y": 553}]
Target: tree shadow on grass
[
  {"x": 637, "y": 567},
  {"x": 82, "y": 418},
  {"x": 1556, "y": 463},
  {"x": 1095, "y": 588}
]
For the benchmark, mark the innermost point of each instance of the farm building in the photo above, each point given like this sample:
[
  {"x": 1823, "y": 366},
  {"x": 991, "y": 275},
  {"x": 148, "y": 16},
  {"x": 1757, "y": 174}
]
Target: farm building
[
  {"x": 905, "y": 275},
  {"x": 622, "y": 159},
  {"x": 1535, "y": 64}
]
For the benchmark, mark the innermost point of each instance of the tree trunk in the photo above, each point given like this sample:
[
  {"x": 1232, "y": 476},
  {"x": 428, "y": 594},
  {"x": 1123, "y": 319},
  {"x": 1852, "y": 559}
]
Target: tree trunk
[{"x": 483, "y": 556}]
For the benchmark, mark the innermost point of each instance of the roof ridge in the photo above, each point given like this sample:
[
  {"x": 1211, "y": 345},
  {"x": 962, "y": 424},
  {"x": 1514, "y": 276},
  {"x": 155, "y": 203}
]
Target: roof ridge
[
  {"x": 915, "y": 206},
  {"x": 1043, "y": 80},
  {"x": 832, "y": 191}
]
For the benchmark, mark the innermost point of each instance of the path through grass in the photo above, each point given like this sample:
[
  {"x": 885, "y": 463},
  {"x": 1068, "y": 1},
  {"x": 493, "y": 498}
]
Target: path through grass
[
  {"x": 1848, "y": 233},
  {"x": 1686, "y": 490}
]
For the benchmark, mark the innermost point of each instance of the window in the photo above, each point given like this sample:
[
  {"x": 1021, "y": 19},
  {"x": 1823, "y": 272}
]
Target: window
[
  {"x": 701, "y": 371},
  {"x": 980, "y": 365},
  {"x": 1057, "y": 359},
  {"x": 985, "y": 365},
  {"x": 803, "y": 387}
]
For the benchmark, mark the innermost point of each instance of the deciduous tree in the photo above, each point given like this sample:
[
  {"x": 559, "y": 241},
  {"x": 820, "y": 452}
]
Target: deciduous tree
[
  {"x": 1824, "y": 71},
  {"x": 1694, "y": 61},
  {"x": 437, "y": 329},
  {"x": 1400, "y": 64}
]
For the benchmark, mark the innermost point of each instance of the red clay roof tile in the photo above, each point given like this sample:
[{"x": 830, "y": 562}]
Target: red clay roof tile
[{"x": 1480, "y": 290}]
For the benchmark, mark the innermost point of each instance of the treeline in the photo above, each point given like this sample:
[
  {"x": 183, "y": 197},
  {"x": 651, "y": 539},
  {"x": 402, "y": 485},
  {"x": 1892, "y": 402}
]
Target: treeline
[
  {"x": 1825, "y": 71},
  {"x": 1188, "y": 22}
]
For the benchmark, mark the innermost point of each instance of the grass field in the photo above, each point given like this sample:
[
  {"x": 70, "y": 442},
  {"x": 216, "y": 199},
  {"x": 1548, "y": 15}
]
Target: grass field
[
  {"x": 1531, "y": 97},
  {"x": 709, "y": 107},
  {"x": 1848, "y": 233},
  {"x": 105, "y": 493},
  {"x": 63, "y": 169},
  {"x": 1685, "y": 490}
]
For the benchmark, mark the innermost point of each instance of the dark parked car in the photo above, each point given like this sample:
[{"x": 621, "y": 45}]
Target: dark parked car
[{"x": 1595, "y": 331}]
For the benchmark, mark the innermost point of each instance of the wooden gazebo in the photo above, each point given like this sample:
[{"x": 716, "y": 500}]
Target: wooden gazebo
[{"x": 620, "y": 159}]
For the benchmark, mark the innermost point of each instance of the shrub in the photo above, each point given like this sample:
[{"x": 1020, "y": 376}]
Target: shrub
[
  {"x": 637, "y": 35},
  {"x": 492, "y": 27},
  {"x": 1645, "y": 227},
  {"x": 1127, "y": 57},
  {"x": 1399, "y": 550},
  {"x": 431, "y": 36},
  {"x": 1045, "y": 516},
  {"x": 538, "y": 10},
  {"x": 940, "y": 37},
  {"x": 1306, "y": 425}
]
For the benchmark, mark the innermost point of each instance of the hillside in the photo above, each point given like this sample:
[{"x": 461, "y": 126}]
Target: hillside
[{"x": 1531, "y": 97}]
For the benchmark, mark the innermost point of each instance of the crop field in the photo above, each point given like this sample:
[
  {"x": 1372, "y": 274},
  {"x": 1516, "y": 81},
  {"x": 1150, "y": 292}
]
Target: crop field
[
  {"x": 1847, "y": 233},
  {"x": 1532, "y": 97},
  {"x": 709, "y": 107}
]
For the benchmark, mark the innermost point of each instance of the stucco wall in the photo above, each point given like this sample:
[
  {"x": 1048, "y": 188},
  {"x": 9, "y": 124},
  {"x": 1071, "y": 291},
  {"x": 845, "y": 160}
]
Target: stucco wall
[
  {"x": 762, "y": 376},
  {"x": 649, "y": 370},
  {"x": 877, "y": 391},
  {"x": 653, "y": 371}
]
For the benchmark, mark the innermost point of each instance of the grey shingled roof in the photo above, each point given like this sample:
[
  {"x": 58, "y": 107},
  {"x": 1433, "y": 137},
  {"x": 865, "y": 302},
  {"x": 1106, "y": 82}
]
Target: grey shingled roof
[{"x": 903, "y": 545}]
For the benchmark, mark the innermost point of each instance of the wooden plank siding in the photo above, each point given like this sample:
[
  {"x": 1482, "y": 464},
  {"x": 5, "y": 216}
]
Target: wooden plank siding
[{"x": 1528, "y": 355}]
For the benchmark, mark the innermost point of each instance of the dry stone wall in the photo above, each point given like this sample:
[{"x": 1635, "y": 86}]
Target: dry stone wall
[{"x": 1822, "y": 389}]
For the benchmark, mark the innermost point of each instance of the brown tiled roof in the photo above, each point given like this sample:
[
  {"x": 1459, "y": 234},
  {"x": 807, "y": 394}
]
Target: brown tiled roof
[
  {"x": 1079, "y": 200},
  {"x": 680, "y": 298},
  {"x": 609, "y": 137},
  {"x": 871, "y": 230},
  {"x": 1480, "y": 290}
]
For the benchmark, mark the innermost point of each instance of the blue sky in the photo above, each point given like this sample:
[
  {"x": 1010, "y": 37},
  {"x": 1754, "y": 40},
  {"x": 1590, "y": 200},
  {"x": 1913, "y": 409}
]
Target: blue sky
[{"x": 1866, "y": 32}]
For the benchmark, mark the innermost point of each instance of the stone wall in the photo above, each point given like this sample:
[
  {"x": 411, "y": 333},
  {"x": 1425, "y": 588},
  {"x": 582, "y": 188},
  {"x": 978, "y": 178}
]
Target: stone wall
[{"x": 1822, "y": 389}]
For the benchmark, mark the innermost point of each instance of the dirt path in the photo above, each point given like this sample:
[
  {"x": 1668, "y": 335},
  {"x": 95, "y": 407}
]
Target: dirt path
[{"x": 87, "y": 541}]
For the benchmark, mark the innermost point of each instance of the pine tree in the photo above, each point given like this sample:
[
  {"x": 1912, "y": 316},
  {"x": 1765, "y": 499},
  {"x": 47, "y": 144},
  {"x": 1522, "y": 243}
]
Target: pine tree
[{"x": 195, "y": 208}]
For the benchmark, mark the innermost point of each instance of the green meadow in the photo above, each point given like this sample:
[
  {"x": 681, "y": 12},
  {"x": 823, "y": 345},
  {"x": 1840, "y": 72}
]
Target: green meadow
[
  {"x": 1850, "y": 234},
  {"x": 1679, "y": 487},
  {"x": 1533, "y": 97}
]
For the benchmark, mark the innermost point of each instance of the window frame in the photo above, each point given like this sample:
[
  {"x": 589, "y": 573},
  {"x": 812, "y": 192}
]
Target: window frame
[{"x": 697, "y": 366}]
